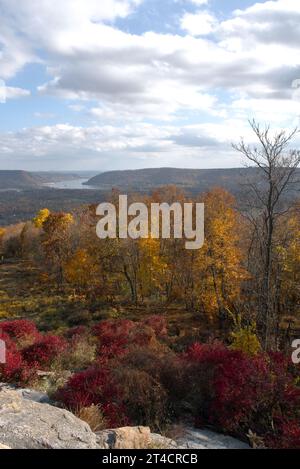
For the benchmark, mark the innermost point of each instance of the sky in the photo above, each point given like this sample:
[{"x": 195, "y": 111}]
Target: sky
[{"x": 125, "y": 84}]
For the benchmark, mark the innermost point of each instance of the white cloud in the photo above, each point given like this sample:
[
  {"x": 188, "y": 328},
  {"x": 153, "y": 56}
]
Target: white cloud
[
  {"x": 105, "y": 147},
  {"x": 10, "y": 92},
  {"x": 199, "y": 24},
  {"x": 199, "y": 2},
  {"x": 245, "y": 67}
]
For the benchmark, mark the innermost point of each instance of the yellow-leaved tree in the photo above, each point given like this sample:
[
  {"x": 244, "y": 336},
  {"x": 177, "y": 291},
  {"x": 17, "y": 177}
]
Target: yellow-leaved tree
[
  {"x": 56, "y": 241},
  {"x": 81, "y": 270},
  {"x": 41, "y": 217},
  {"x": 151, "y": 267},
  {"x": 220, "y": 261}
]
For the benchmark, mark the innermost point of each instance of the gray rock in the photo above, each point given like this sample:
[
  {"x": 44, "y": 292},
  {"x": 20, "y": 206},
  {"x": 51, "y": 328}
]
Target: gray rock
[
  {"x": 205, "y": 439},
  {"x": 142, "y": 438},
  {"x": 4, "y": 446},
  {"x": 26, "y": 424},
  {"x": 161, "y": 442},
  {"x": 27, "y": 421},
  {"x": 29, "y": 394},
  {"x": 124, "y": 438}
]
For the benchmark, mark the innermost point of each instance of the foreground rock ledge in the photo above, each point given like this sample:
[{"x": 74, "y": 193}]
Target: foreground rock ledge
[
  {"x": 26, "y": 424},
  {"x": 27, "y": 421}
]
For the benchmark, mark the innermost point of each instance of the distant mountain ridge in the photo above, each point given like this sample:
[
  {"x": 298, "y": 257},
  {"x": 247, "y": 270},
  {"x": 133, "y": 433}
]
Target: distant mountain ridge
[
  {"x": 190, "y": 179},
  {"x": 18, "y": 179}
]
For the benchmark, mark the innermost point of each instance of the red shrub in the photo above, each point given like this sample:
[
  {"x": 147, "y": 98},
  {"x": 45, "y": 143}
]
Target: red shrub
[
  {"x": 14, "y": 370},
  {"x": 20, "y": 329},
  {"x": 241, "y": 393},
  {"x": 287, "y": 435},
  {"x": 113, "y": 337},
  {"x": 95, "y": 386},
  {"x": 44, "y": 352},
  {"x": 107, "y": 330},
  {"x": 158, "y": 324},
  {"x": 10, "y": 371}
]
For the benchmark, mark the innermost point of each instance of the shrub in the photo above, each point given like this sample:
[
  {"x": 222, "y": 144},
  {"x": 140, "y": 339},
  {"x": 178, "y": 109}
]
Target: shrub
[
  {"x": 10, "y": 370},
  {"x": 143, "y": 336},
  {"x": 238, "y": 393},
  {"x": 14, "y": 370},
  {"x": 158, "y": 324},
  {"x": 245, "y": 338},
  {"x": 287, "y": 435},
  {"x": 80, "y": 354},
  {"x": 144, "y": 397},
  {"x": 95, "y": 386},
  {"x": 76, "y": 332},
  {"x": 44, "y": 351},
  {"x": 22, "y": 331},
  {"x": 113, "y": 337}
]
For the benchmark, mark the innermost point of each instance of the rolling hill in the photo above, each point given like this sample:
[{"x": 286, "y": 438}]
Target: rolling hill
[
  {"x": 18, "y": 180},
  {"x": 189, "y": 179}
]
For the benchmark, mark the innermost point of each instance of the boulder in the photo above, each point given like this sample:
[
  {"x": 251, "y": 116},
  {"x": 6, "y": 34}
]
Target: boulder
[
  {"x": 4, "y": 446},
  {"x": 142, "y": 438},
  {"x": 125, "y": 438},
  {"x": 27, "y": 424},
  {"x": 205, "y": 439},
  {"x": 161, "y": 442}
]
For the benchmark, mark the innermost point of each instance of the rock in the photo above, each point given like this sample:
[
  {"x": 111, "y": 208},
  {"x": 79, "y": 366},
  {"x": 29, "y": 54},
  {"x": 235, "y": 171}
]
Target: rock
[
  {"x": 125, "y": 438},
  {"x": 161, "y": 442},
  {"x": 28, "y": 421},
  {"x": 205, "y": 439},
  {"x": 142, "y": 438},
  {"x": 27, "y": 424},
  {"x": 4, "y": 446},
  {"x": 29, "y": 394}
]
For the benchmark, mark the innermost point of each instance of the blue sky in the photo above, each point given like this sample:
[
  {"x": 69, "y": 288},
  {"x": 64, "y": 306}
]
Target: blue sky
[{"x": 142, "y": 83}]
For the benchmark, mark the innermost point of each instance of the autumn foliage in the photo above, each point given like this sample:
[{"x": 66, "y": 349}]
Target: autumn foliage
[{"x": 136, "y": 378}]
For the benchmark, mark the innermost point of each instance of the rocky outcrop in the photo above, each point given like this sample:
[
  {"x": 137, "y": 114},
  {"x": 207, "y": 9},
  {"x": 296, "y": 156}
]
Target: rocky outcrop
[
  {"x": 28, "y": 421},
  {"x": 27, "y": 424},
  {"x": 4, "y": 446},
  {"x": 141, "y": 438},
  {"x": 125, "y": 438},
  {"x": 205, "y": 439}
]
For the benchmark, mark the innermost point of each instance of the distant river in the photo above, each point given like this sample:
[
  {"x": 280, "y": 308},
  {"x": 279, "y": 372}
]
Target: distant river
[{"x": 69, "y": 184}]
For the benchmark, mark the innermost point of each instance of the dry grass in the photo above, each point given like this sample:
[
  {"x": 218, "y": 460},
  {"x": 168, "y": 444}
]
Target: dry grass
[{"x": 93, "y": 416}]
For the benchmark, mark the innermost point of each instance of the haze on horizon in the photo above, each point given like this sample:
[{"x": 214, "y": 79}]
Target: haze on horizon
[{"x": 129, "y": 84}]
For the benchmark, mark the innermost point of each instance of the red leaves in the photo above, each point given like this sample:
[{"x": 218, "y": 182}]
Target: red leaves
[
  {"x": 95, "y": 386},
  {"x": 20, "y": 329},
  {"x": 45, "y": 350},
  {"x": 224, "y": 388},
  {"x": 248, "y": 393},
  {"x": 115, "y": 336},
  {"x": 11, "y": 370}
]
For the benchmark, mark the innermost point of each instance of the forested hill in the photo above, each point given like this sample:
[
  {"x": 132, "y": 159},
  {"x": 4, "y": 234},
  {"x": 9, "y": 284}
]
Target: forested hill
[
  {"x": 192, "y": 179},
  {"x": 18, "y": 180}
]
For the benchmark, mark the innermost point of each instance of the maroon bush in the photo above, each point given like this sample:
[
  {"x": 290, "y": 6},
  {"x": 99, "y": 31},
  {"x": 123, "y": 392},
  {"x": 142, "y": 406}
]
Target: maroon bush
[
  {"x": 44, "y": 351},
  {"x": 241, "y": 393},
  {"x": 95, "y": 386},
  {"x": 10, "y": 371},
  {"x": 113, "y": 337},
  {"x": 287, "y": 435},
  {"x": 20, "y": 329}
]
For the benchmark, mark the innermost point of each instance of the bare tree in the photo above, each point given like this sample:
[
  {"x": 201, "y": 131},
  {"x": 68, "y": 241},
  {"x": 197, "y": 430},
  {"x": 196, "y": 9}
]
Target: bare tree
[{"x": 275, "y": 175}]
